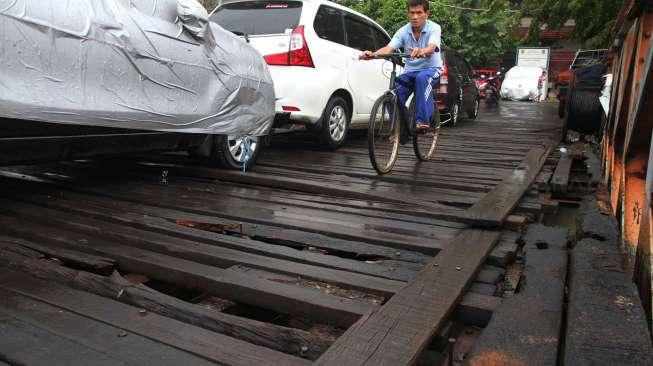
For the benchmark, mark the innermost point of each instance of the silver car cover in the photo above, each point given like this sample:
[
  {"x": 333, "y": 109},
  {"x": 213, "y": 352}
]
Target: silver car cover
[{"x": 130, "y": 64}]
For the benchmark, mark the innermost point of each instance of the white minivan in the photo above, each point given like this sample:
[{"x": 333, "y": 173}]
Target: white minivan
[{"x": 312, "y": 50}]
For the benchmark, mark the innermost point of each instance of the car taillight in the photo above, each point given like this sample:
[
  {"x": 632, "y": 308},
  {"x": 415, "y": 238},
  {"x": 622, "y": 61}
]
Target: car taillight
[
  {"x": 444, "y": 78},
  {"x": 298, "y": 53}
]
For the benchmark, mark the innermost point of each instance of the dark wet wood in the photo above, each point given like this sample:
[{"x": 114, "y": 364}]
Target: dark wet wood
[
  {"x": 226, "y": 284},
  {"x": 203, "y": 343},
  {"x": 494, "y": 208},
  {"x": 33, "y": 332},
  {"x": 218, "y": 256},
  {"x": 311, "y": 220},
  {"x": 287, "y": 340},
  {"x": 134, "y": 214},
  {"x": 560, "y": 178},
  {"x": 400, "y": 330},
  {"x": 78, "y": 259}
]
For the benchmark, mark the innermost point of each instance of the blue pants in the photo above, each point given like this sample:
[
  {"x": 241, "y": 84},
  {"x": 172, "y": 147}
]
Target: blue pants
[{"x": 422, "y": 82}]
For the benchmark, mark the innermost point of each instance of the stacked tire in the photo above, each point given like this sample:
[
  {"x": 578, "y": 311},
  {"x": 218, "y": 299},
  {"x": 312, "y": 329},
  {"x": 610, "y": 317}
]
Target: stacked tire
[{"x": 584, "y": 111}]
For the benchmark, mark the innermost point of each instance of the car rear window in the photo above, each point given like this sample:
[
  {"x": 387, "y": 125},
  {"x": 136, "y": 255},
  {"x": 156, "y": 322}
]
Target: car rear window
[{"x": 258, "y": 17}]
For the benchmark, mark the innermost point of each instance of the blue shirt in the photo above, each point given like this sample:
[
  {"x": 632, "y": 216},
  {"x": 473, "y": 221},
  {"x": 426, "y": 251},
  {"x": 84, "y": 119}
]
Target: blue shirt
[{"x": 430, "y": 35}]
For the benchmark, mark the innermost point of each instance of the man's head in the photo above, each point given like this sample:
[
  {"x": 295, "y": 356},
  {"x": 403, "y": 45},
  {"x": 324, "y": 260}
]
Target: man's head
[
  {"x": 418, "y": 12},
  {"x": 543, "y": 72}
]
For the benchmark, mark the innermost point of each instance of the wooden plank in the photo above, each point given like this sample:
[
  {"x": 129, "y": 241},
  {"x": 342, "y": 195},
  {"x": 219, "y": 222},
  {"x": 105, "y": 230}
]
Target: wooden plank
[
  {"x": 339, "y": 225},
  {"x": 314, "y": 186},
  {"x": 258, "y": 239},
  {"x": 109, "y": 210},
  {"x": 542, "y": 179},
  {"x": 229, "y": 285},
  {"x": 525, "y": 329},
  {"x": 195, "y": 340},
  {"x": 494, "y": 208},
  {"x": 22, "y": 343},
  {"x": 78, "y": 259},
  {"x": 400, "y": 330},
  {"x": 560, "y": 178},
  {"x": 474, "y": 309},
  {"x": 115, "y": 287},
  {"x": 35, "y": 333},
  {"x": 214, "y": 255}
]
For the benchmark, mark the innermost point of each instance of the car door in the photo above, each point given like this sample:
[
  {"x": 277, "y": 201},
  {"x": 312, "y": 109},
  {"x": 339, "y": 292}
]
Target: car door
[
  {"x": 366, "y": 78},
  {"x": 331, "y": 51}
]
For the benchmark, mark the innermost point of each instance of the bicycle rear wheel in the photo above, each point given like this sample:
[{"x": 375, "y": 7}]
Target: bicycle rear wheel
[
  {"x": 383, "y": 133},
  {"x": 425, "y": 142}
]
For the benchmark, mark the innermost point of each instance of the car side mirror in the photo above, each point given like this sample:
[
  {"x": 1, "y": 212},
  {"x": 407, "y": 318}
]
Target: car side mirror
[{"x": 193, "y": 16}]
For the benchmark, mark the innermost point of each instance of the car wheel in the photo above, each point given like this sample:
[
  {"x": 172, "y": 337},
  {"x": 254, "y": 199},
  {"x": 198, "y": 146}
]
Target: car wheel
[
  {"x": 335, "y": 123},
  {"x": 229, "y": 151},
  {"x": 455, "y": 114},
  {"x": 473, "y": 113}
]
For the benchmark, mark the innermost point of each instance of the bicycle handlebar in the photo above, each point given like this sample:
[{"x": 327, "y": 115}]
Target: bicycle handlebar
[{"x": 394, "y": 57}]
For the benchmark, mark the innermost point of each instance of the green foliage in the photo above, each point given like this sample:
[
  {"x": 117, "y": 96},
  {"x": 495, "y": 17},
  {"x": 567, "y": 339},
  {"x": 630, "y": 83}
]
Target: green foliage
[
  {"x": 480, "y": 36},
  {"x": 594, "y": 18},
  {"x": 209, "y": 4}
]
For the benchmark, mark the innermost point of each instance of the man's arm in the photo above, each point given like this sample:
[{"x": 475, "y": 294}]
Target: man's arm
[{"x": 366, "y": 55}]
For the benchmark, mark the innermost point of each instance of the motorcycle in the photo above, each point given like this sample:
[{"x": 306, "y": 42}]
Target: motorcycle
[{"x": 491, "y": 90}]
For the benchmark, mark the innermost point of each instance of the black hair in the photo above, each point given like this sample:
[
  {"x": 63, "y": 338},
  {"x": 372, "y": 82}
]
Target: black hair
[{"x": 423, "y": 3}]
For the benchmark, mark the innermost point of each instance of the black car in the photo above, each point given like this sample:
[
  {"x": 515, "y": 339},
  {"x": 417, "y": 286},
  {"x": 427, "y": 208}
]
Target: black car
[{"x": 458, "y": 92}]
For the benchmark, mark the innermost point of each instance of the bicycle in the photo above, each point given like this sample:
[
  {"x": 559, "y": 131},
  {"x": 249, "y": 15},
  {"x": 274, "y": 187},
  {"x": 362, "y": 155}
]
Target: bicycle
[{"x": 385, "y": 132}]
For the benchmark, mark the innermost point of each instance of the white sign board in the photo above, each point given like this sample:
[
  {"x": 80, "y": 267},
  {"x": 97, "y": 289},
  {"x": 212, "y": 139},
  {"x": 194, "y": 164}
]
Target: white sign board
[{"x": 533, "y": 57}]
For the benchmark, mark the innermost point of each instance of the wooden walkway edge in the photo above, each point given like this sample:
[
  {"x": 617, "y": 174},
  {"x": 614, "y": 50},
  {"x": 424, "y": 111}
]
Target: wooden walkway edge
[
  {"x": 398, "y": 332},
  {"x": 493, "y": 209}
]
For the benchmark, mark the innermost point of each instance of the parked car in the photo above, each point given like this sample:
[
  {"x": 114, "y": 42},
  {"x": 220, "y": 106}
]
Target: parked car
[
  {"x": 113, "y": 76},
  {"x": 312, "y": 49},
  {"x": 520, "y": 83},
  {"x": 457, "y": 92}
]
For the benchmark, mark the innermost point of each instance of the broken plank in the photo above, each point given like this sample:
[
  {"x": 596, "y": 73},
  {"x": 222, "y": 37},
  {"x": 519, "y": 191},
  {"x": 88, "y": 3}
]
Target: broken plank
[
  {"x": 287, "y": 340},
  {"x": 474, "y": 309},
  {"x": 401, "y": 329},
  {"x": 220, "y": 256},
  {"x": 232, "y": 286},
  {"x": 198, "y": 341},
  {"x": 494, "y": 208}
]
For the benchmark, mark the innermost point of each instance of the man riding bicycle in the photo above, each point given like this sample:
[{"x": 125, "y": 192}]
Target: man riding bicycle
[{"x": 421, "y": 38}]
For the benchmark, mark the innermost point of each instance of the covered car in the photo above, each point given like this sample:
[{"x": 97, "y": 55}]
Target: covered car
[
  {"x": 520, "y": 83},
  {"x": 133, "y": 65}
]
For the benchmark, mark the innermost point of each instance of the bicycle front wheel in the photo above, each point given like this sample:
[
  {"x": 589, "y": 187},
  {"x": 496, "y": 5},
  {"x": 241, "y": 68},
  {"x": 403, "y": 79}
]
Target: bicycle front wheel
[
  {"x": 425, "y": 142},
  {"x": 383, "y": 133}
]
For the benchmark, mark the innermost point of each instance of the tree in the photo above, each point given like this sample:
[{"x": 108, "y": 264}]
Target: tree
[
  {"x": 594, "y": 19},
  {"x": 481, "y": 30}
]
